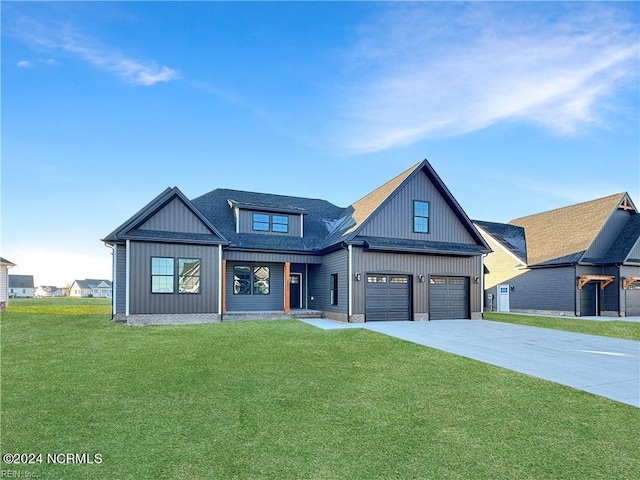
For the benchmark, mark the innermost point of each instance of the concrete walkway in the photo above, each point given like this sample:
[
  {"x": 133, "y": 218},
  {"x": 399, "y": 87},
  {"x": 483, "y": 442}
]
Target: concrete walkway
[{"x": 604, "y": 366}]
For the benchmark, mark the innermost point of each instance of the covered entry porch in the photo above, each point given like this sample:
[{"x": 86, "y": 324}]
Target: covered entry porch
[{"x": 266, "y": 285}]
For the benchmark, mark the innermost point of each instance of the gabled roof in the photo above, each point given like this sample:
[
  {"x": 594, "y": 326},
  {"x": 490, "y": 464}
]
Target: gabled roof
[
  {"x": 20, "y": 281},
  {"x": 129, "y": 229},
  {"x": 563, "y": 233},
  {"x": 629, "y": 237},
  {"x": 510, "y": 237},
  {"x": 4, "y": 261},
  {"x": 92, "y": 283},
  {"x": 365, "y": 209}
]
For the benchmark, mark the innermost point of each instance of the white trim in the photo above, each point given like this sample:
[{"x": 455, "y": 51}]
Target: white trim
[
  {"x": 114, "y": 257},
  {"x": 301, "y": 225},
  {"x": 236, "y": 211},
  {"x": 481, "y": 284},
  {"x": 350, "y": 281},
  {"x": 127, "y": 276},
  {"x": 220, "y": 292}
]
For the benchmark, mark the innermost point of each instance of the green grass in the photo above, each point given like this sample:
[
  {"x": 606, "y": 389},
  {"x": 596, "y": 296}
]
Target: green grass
[
  {"x": 281, "y": 399},
  {"x": 613, "y": 328}
]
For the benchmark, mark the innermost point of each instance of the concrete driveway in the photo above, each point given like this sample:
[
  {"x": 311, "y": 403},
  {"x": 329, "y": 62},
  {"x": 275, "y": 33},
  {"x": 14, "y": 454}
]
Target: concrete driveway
[{"x": 604, "y": 366}]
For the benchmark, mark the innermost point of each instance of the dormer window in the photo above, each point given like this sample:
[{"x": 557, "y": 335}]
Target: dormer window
[
  {"x": 420, "y": 216},
  {"x": 264, "y": 222},
  {"x": 261, "y": 222},
  {"x": 280, "y": 223}
]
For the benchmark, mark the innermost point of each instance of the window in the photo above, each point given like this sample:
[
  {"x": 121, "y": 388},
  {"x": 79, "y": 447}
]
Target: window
[
  {"x": 334, "y": 289},
  {"x": 189, "y": 275},
  {"x": 261, "y": 280},
  {"x": 242, "y": 280},
  {"x": 162, "y": 275},
  {"x": 399, "y": 280},
  {"x": 264, "y": 222},
  {"x": 280, "y": 223},
  {"x": 261, "y": 222},
  {"x": 376, "y": 279},
  {"x": 249, "y": 280},
  {"x": 420, "y": 216}
]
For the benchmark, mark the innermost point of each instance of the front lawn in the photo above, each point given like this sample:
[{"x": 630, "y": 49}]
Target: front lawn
[
  {"x": 610, "y": 328},
  {"x": 281, "y": 399}
]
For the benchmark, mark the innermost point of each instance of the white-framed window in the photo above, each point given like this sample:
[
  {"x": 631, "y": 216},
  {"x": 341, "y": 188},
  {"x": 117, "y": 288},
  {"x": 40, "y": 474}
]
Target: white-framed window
[{"x": 420, "y": 216}]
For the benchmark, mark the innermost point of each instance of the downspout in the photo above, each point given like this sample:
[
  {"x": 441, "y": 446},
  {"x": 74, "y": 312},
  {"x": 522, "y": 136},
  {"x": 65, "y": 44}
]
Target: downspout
[
  {"x": 350, "y": 283},
  {"x": 575, "y": 290},
  {"x": 114, "y": 275},
  {"x": 482, "y": 285},
  {"x": 127, "y": 277},
  {"x": 220, "y": 293}
]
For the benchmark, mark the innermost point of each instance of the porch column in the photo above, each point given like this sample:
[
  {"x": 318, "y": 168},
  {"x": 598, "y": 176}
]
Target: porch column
[{"x": 287, "y": 287}]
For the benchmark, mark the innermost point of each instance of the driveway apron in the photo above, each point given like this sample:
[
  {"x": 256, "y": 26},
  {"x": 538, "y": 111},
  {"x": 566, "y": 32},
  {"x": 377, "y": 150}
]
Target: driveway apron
[{"x": 608, "y": 367}]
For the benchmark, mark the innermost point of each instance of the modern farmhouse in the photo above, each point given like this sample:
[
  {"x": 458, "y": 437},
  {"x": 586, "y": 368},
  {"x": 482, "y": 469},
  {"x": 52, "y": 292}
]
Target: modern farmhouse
[
  {"x": 406, "y": 251},
  {"x": 579, "y": 260}
]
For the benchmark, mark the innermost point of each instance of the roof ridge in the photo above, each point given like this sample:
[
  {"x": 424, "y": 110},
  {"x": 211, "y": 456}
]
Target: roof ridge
[{"x": 573, "y": 205}]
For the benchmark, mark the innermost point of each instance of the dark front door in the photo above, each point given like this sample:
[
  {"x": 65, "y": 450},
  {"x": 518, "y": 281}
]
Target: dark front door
[
  {"x": 295, "y": 280},
  {"x": 589, "y": 300}
]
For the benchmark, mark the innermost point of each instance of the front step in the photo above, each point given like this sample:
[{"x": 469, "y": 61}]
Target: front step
[{"x": 271, "y": 315}]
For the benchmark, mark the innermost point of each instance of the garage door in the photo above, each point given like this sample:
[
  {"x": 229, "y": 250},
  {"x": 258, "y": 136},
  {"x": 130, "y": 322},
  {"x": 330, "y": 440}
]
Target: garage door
[
  {"x": 387, "y": 298},
  {"x": 448, "y": 297},
  {"x": 633, "y": 300}
]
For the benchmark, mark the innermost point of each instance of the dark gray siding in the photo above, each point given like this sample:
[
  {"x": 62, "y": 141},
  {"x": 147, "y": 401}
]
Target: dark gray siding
[
  {"x": 395, "y": 220},
  {"x": 543, "y": 289},
  {"x": 611, "y": 294},
  {"x": 120, "y": 278},
  {"x": 415, "y": 265},
  {"x": 245, "y": 223},
  {"x": 142, "y": 301},
  {"x": 251, "y": 303},
  {"x": 175, "y": 217},
  {"x": 270, "y": 257},
  {"x": 610, "y": 231},
  {"x": 629, "y": 298},
  {"x": 319, "y": 283}
]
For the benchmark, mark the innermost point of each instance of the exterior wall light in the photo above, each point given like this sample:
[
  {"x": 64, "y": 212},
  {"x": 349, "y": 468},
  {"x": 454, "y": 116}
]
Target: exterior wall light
[
  {"x": 358, "y": 277},
  {"x": 421, "y": 278}
]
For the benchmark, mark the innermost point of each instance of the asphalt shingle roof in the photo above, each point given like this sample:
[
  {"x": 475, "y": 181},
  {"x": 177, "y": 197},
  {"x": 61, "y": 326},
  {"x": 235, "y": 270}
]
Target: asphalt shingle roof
[
  {"x": 510, "y": 237},
  {"x": 320, "y": 218},
  {"x": 20, "y": 281},
  {"x": 565, "y": 231}
]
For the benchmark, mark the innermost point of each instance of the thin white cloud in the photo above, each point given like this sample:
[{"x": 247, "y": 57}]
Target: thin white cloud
[
  {"x": 428, "y": 70},
  {"x": 66, "y": 40},
  {"x": 24, "y": 64}
]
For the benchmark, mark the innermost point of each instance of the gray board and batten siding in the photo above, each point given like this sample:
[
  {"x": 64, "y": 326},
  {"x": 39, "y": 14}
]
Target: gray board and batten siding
[
  {"x": 272, "y": 301},
  {"x": 142, "y": 301},
  {"x": 175, "y": 217},
  {"x": 245, "y": 223},
  {"x": 415, "y": 265},
  {"x": 319, "y": 294},
  {"x": 120, "y": 279},
  {"x": 395, "y": 218}
]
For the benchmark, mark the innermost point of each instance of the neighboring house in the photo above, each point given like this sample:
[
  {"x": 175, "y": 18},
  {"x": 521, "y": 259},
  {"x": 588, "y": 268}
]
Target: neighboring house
[
  {"x": 5, "y": 265},
  {"x": 48, "y": 291},
  {"x": 21, "y": 286},
  {"x": 91, "y": 288},
  {"x": 580, "y": 260},
  {"x": 406, "y": 251}
]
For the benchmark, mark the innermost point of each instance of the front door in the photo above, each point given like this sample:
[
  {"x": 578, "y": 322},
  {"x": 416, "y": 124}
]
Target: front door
[{"x": 295, "y": 290}]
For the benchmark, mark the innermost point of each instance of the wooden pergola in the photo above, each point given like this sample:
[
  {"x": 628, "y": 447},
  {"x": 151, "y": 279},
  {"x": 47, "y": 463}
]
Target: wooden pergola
[
  {"x": 603, "y": 279},
  {"x": 626, "y": 281}
]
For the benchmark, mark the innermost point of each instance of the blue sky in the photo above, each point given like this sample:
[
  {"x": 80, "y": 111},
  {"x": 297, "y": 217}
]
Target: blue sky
[{"x": 520, "y": 107}]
